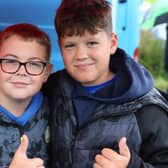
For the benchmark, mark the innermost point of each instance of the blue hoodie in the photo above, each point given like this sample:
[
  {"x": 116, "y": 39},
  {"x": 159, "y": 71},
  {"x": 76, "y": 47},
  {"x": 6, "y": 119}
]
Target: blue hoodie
[{"x": 132, "y": 81}]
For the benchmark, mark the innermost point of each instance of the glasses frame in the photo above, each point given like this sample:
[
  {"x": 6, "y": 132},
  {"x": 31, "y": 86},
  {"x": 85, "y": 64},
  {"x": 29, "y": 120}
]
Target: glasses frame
[{"x": 22, "y": 64}]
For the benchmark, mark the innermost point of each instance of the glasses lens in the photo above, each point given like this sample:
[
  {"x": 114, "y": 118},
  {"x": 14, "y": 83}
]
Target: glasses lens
[
  {"x": 32, "y": 67},
  {"x": 35, "y": 67},
  {"x": 10, "y": 65}
]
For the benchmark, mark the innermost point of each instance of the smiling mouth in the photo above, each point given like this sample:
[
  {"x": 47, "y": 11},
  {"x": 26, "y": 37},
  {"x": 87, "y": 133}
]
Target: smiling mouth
[
  {"x": 19, "y": 84},
  {"x": 83, "y": 66}
]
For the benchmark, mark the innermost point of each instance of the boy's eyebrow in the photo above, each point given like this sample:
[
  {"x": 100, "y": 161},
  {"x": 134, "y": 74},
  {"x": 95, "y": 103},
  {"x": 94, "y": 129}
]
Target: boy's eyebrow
[
  {"x": 36, "y": 58},
  {"x": 16, "y": 57},
  {"x": 10, "y": 55}
]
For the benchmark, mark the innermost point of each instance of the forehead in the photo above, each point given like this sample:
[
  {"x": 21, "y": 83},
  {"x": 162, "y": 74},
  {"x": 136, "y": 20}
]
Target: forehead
[
  {"x": 22, "y": 48},
  {"x": 86, "y": 35}
]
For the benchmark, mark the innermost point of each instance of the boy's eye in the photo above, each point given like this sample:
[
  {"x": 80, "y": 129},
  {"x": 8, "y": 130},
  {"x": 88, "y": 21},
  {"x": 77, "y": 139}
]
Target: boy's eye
[
  {"x": 92, "y": 43},
  {"x": 11, "y": 61},
  {"x": 68, "y": 46}
]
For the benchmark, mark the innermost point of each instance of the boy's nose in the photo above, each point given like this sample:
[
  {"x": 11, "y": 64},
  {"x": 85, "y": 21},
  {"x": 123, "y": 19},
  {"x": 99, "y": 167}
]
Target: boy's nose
[
  {"x": 21, "y": 70},
  {"x": 81, "y": 53}
]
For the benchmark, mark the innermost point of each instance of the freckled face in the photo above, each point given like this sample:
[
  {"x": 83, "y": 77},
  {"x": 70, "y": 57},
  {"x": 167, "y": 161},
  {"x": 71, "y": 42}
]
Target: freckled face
[{"x": 87, "y": 57}]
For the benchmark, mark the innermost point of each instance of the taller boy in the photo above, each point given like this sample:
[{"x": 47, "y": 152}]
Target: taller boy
[{"x": 102, "y": 96}]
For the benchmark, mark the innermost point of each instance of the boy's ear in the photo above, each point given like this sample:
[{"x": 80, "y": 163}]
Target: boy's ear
[
  {"x": 114, "y": 42},
  {"x": 48, "y": 71}
]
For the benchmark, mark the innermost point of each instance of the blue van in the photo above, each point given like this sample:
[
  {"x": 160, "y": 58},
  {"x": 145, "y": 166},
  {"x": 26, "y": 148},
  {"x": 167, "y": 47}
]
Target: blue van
[
  {"x": 126, "y": 20},
  {"x": 126, "y": 15}
]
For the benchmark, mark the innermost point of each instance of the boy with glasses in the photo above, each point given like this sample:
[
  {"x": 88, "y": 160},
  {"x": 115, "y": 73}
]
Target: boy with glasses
[{"x": 24, "y": 67}]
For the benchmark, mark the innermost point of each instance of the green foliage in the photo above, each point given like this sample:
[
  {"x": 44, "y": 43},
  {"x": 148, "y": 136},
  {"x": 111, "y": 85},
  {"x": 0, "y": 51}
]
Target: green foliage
[
  {"x": 151, "y": 1},
  {"x": 161, "y": 83},
  {"x": 152, "y": 57},
  {"x": 152, "y": 53}
]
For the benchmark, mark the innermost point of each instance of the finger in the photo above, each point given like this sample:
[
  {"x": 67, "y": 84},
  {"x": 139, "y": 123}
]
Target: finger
[
  {"x": 109, "y": 153},
  {"x": 123, "y": 147},
  {"x": 38, "y": 162},
  {"x": 96, "y": 166},
  {"x": 24, "y": 145},
  {"x": 102, "y": 161}
]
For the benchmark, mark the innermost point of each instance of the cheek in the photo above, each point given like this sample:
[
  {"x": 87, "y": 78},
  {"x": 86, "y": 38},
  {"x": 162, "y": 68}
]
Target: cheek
[
  {"x": 38, "y": 82},
  {"x": 44, "y": 79},
  {"x": 68, "y": 55},
  {"x": 67, "y": 60},
  {"x": 4, "y": 76}
]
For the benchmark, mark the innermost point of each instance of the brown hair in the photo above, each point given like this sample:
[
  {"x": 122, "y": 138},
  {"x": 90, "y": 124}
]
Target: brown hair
[
  {"x": 27, "y": 32},
  {"x": 77, "y": 16}
]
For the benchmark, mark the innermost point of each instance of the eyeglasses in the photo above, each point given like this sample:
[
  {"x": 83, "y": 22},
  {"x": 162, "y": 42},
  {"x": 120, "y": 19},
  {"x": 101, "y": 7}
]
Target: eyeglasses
[{"x": 12, "y": 66}]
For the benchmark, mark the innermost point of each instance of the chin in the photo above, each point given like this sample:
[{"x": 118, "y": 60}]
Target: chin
[
  {"x": 84, "y": 79},
  {"x": 21, "y": 97},
  {"x": 87, "y": 83}
]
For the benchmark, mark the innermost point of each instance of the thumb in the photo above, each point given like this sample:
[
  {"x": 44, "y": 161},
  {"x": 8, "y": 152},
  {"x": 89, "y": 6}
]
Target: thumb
[
  {"x": 22, "y": 149},
  {"x": 123, "y": 147}
]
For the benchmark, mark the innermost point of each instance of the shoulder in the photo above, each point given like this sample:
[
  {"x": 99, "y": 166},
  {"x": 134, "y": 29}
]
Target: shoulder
[
  {"x": 164, "y": 94},
  {"x": 151, "y": 111},
  {"x": 153, "y": 122},
  {"x": 54, "y": 77},
  {"x": 152, "y": 119},
  {"x": 52, "y": 82}
]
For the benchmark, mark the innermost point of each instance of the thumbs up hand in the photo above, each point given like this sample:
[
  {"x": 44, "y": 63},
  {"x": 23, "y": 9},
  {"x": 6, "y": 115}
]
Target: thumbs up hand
[
  {"x": 111, "y": 159},
  {"x": 20, "y": 158}
]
